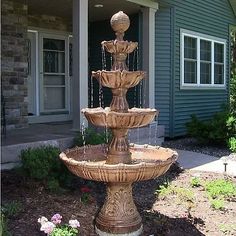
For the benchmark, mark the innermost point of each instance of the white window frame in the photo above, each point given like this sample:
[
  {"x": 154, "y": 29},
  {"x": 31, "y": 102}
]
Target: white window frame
[{"x": 199, "y": 37}]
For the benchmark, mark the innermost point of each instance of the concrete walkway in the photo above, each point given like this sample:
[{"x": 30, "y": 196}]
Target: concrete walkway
[{"x": 202, "y": 162}]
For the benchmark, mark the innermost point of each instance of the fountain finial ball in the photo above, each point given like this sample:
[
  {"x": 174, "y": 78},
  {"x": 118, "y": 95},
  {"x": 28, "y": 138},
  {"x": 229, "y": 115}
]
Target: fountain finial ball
[{"x": 120, "y": 22}]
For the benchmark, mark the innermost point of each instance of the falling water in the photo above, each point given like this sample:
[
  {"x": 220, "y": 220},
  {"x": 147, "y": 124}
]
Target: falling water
[
  {"x": 111, "y": 59},
  {"x": 91, "y": 92},
  {"x": 100, "y": 94},
  {"x": 137, "y": 58},
  {"x": 134, "y": 56},
  {"x": 83, "y": 133},
  {"x": 155, "y": 135},
  {"x": 104, "y": 64},
  {"x": 149, "y": 134}
]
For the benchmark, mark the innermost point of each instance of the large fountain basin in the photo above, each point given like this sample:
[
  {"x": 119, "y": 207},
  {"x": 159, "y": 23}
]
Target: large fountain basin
[
  {"x": 148, "y": 162},
  {"x": 116, "y": 46},
  {"x": 135, "y": 117},
  {"x": 118, "y": 79}
]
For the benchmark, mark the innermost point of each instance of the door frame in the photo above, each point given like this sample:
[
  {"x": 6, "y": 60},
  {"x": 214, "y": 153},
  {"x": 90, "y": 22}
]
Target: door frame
[{"x": 40, "y": 34}]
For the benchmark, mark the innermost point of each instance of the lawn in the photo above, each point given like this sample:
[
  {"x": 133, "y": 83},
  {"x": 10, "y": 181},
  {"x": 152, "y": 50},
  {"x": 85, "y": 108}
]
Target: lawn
[{"x": 177, "y": 203}]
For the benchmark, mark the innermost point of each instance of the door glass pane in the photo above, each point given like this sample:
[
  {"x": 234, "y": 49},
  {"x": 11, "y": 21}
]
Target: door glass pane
[
  {"x": 54, "y": 62},
  {"x": 190, "y": 72},
  {"x": 54, "y": 55},
  {"x": 205, "y": 73},
  {"x": 54, "y": 44},
  {"x": 190, "y": 47},
  {"x": 54, "y": 98}
]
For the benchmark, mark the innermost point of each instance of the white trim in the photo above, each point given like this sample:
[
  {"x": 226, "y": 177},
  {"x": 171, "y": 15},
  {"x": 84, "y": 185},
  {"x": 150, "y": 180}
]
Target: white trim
[
  {"x": 148, "y": 50},
  {"x": 199, "y": 37},
  {"x": 198, "y": 62},
  {"x": 83, "y": 56},
  {"x": 36, "y": 69},
  {"x": 146, "y": 3}
]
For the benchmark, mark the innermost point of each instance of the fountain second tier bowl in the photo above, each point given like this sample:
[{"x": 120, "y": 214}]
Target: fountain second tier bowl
[
  {"x": 135, "y": 117},
  {"x": 118, "y": 79},
  {"x": 148, "y": 162}
]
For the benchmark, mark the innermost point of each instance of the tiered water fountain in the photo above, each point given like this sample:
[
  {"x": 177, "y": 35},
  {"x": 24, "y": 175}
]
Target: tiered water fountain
[{"x": 120, "y": 164}]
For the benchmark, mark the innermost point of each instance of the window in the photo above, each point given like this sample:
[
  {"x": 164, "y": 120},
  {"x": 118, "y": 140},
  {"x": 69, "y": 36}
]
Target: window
[{"x": 202, "y": 60}]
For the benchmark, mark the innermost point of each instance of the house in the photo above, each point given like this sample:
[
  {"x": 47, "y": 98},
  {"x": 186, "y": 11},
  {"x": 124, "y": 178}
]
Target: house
[{"x": 48, "y": 49}]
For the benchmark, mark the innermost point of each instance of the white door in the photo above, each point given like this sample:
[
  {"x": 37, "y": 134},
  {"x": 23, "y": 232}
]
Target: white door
[{"x": 54, "y": 75}]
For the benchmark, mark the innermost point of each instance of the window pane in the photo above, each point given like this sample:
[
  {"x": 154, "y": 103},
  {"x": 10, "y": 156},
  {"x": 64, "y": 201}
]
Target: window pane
[
  {"x": 54, "y": 98},
  {"x": 190, "y": 72},
  {"x": 205, "y": 50},
  {"x": 190, "y": 47},
  {"x": 219, "y": 52},
  {"x": 205, "y": 73},
  {"x": 219, "y": 74}
]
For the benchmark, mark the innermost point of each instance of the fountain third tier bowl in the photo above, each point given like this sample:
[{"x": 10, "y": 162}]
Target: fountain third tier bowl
[{"x": 119, "y": 164}]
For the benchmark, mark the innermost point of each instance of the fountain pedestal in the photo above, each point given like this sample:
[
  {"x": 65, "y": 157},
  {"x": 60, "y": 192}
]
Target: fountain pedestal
[
  {"x": 119, "y": 214},
  {"x": 122, "y": 164}
]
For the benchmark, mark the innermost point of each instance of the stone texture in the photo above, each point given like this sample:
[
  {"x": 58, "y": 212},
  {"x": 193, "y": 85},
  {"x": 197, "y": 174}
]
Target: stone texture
[
  {"x": 49, "y": 22},
  {"x": 16, "y": 20},
  {"x": 14, "y": 62}
]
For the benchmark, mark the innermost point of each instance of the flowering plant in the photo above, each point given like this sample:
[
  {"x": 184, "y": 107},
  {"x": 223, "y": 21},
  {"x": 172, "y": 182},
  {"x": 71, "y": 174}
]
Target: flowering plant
[
  {"x": 54, "y": 227},
  {"x": 86, "y": 194}
]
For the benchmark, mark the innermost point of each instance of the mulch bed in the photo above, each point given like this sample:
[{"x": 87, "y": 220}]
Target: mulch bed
[{"x": 160, "y": 216}]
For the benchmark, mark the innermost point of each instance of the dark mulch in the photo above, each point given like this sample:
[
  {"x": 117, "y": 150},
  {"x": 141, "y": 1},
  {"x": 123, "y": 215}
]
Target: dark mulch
[{"x": 162, "y": 217}]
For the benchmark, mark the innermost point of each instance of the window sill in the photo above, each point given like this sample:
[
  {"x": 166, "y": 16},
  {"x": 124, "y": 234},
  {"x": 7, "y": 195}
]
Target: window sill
[{"x": 202, "y": 87}]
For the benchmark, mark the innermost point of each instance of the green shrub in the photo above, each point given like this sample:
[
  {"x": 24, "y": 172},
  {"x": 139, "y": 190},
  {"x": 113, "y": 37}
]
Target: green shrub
[
  {"x": 212, "y": 131},
  {"x": 233, "y": 93},
  {"x": 11, "y": 208},
  {"x": 232, "y": 144},
  {"x": 3, "y": 226},
  {"x": 91, "y": 137},
  {"x": 43, "y": 164},
  {"x": 218, "y": 130}
]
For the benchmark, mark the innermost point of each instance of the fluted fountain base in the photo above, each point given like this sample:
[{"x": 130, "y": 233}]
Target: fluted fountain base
[{"x": 119, "y": 215}]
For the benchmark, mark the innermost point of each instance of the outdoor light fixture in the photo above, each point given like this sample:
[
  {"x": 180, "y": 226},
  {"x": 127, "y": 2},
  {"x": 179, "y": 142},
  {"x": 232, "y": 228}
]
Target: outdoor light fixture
[{"x": 98, "y": 5}]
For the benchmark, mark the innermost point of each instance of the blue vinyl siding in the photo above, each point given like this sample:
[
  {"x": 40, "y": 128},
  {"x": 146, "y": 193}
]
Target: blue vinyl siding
[
  {"x": 163, "y": 66},
  {"x": 206, "y": 17}
]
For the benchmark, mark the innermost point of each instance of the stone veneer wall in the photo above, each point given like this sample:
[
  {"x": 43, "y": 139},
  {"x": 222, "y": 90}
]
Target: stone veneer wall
[
  {"x": 49, "y": 22},
  {"x": 14, "y": 63}
]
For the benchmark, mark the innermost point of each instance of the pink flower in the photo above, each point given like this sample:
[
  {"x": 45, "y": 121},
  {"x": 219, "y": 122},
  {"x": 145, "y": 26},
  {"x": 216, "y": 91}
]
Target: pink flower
[
  {"x": 56, "y": 219},
  {"x": 47, "y": 227},
  {"x": 74, "y": 223}
]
